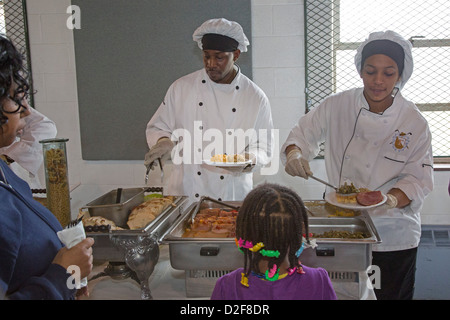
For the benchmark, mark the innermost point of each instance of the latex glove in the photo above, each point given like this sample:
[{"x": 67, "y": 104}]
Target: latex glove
[
  {"x": 161, "y": 150},
  {"x": 297, "y": 165},
  {"x": 391, "y": 201}
]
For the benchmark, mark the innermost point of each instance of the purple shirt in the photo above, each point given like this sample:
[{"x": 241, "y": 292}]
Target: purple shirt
[{"x": 313, "y": 285}]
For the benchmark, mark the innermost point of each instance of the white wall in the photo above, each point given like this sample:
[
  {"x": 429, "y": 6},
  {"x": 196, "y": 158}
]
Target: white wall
[{"x": 278, "y": 68}]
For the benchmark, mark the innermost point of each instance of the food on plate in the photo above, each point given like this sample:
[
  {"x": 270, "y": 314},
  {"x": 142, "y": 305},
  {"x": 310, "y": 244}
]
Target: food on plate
[
  {"x": 213, "y": 223},
  {"x": 369, "y": 198},
  {"x": 147, "y": 211},
  {"x": 228, "y": 158},
  {"x": 347, "y": 193}
]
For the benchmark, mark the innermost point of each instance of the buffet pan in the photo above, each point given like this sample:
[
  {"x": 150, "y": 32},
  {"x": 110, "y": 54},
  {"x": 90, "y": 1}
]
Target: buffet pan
[
  {"x": 117, "y": 209},
  {"x": 336, "y": 254}
]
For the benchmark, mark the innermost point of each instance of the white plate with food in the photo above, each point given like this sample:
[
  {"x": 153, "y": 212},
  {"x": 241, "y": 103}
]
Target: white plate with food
[
  {"x": 331, "y": 198},
  {"x": 224, "y": 160},
  {"x": 227, "y": 164}
]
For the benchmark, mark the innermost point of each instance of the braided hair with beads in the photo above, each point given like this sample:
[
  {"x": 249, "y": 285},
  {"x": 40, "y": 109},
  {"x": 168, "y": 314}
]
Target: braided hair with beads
[{"x": 275, "y": 216}]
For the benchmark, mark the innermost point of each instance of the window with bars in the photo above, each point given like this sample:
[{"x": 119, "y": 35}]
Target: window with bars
[
  {"x": 335, "y": 28},
  {"x": 13, "y": 23}
]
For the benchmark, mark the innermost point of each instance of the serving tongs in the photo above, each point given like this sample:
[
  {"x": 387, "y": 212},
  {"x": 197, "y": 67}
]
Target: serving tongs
[
  {"x": 150, "y": 167},
  {"x": 203, "y": 198},
  {"x": 324, "y": 182}
]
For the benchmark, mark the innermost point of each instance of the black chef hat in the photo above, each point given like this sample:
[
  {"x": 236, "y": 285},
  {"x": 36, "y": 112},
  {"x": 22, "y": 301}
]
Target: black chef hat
[
  {"x": 214, "y": 41},
  {"x": 389, "y": 48}
]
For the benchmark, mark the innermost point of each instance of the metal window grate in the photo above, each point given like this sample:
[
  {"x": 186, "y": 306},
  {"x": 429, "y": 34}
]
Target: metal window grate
[
  {"x": 13, "y": 23},
  {"x": 335, "y": 28}
]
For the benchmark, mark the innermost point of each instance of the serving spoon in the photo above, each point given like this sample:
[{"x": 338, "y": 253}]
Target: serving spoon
[{"x": 324, "y": 182}]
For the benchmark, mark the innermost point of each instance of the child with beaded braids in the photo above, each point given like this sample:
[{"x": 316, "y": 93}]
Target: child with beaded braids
[{"x": 271, "y": 232}]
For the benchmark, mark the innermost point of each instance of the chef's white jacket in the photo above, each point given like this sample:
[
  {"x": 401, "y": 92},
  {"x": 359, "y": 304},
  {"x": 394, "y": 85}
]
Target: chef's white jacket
[
  {"x": 376, "y": 151},
  {"x": 26, "y": 151},
  {"x": 203, "y": 118}
]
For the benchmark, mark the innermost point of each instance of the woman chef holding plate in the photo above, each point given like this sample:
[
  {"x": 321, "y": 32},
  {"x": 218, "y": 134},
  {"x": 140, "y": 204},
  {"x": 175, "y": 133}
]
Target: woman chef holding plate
[
  {"x": 377, "y": 139},
  {"x": 215, "y": 110}
]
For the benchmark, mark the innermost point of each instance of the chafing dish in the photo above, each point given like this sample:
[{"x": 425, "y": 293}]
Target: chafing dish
[
  {"x": 139, "y": 248},
  {"x": 333, "y": 254}
]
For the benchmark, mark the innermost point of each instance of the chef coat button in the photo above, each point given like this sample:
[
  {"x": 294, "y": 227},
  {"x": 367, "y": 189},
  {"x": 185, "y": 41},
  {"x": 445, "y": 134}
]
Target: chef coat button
[
  {"x": 222, "y": 177},
  {"x": 203, "y": 81},
  {"x": 199, "y": 150},
  {"x": 367, "y": 165},
  {"x": 347, "y": 157},
  {"x": 200, "y": 104},
  {"x": 230, "y": 133},
  {"x": 234, "y": 109},
  {"x": 197, "y": 195},
  {"x": 199, "y": 173},
  {"x": 237, "y": 87},
  {"x": 201, "y": 127}
]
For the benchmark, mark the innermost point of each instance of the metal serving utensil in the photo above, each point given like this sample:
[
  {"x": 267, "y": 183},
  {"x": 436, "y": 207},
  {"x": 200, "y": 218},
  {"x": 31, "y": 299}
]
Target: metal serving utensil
[
  {"x": 150, "y": 167},
  {"x": 324, "y": 182},
  {"x": 161, "y": 167}
]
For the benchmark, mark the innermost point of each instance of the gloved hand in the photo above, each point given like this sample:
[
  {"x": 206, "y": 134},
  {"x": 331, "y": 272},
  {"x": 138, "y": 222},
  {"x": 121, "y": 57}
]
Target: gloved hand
[
  {"x": 391, "y": 201},
  {"x": 161, "y": 150},
  {"x": 297, "y": 165}
]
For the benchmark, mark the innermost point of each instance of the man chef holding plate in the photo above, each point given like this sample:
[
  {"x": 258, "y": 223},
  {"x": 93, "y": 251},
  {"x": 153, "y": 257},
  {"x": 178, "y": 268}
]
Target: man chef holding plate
[{"x": 214, "y": 110}]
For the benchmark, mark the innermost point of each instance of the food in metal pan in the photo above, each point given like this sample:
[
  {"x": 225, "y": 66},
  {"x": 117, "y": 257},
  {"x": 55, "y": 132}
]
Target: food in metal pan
[
  {"x": 97, "y": 223},
  {"x": 228, "y": 158},
  {"x": 146, "y": 212},
  {"x": 212, "y": 223},
  {"x": 341, "y": 235}
]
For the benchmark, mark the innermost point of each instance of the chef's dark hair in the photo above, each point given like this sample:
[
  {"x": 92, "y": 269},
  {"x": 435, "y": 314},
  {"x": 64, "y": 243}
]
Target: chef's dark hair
[
  {"x": 276, "y": 216},
  {"x": 11, "y": 69}
]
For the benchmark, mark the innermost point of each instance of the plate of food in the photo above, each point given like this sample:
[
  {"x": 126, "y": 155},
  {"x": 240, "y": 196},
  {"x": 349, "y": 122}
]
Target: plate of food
[
  {"x": 223, "y": 160},
  {"x": 350, "y": 197}
]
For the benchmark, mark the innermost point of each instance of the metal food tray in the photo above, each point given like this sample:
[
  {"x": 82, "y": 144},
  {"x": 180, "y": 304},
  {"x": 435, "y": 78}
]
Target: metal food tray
[
  {"x": 107, "y": 247},
  {"x": 221, "y": 253},
  {"x": 139, "y": 248}
]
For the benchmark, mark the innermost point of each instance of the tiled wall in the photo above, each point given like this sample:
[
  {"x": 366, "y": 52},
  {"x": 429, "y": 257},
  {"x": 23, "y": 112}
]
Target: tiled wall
[{"x": 278, "y": 62}]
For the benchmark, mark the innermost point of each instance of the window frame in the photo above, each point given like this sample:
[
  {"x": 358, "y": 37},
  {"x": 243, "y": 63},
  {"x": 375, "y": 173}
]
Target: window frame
[{"x": 333, "y": 25}]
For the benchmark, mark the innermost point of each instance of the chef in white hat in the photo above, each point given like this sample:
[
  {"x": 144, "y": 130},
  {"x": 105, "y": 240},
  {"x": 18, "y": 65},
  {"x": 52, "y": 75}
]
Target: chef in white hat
[
  {"x": 214, "y": 110},
  {"x": 375, "y": 138}
]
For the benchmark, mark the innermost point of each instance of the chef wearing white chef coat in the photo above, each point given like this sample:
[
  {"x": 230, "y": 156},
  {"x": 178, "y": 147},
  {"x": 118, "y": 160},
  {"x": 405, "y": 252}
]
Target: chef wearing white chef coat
[
  {"x": 375, "y": 138},
  {"x": 25, "y": 155},
  {"x": 212, "y": 111}
]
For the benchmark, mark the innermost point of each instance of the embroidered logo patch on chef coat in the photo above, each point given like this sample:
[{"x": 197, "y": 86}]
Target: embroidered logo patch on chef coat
[{"x": 400, "y": 140}]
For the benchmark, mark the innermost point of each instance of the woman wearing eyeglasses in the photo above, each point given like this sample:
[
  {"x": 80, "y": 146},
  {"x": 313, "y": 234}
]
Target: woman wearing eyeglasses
[
  {"x": 24, "y": 155},
  {"x": 33, "y": 261}
]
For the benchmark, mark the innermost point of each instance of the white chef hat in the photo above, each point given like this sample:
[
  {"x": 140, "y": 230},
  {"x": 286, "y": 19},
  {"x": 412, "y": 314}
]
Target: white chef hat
[
  {"x": 221, "y": 29},
  {"x": 394, "y": 37}
]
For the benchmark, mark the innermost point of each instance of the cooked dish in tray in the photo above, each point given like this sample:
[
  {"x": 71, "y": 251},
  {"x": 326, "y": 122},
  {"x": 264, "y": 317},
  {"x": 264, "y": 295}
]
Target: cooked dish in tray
[
  {"x": 341, "y": 235},
  {"x": 139, "y": 217},
  {"x": 213, "y": 223}
]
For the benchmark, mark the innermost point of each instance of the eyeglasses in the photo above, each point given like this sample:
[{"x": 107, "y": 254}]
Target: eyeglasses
[{"x": 18, "y": 106}]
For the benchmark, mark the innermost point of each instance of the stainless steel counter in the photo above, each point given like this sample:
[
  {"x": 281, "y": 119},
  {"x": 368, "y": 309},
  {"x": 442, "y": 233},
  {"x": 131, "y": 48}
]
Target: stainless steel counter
[{"x": 167, "y": 283}]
